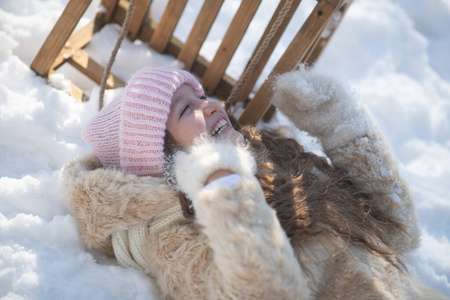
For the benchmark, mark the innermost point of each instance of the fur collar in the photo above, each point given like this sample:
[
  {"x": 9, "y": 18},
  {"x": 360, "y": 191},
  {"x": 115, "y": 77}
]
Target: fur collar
[
  {"x": 86, "y": 174},
  {"x": 105, "y": 200}
]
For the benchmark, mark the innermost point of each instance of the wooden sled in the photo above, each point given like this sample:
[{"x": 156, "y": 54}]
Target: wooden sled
[{"x": 63, "y": 46}]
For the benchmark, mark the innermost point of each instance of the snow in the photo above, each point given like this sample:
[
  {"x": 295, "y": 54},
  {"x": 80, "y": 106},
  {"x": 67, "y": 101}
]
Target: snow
[{"x": 395, "y": 54}]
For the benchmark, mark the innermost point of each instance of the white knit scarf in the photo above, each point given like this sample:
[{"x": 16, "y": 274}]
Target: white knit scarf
[{"x": 128, "y": 244}]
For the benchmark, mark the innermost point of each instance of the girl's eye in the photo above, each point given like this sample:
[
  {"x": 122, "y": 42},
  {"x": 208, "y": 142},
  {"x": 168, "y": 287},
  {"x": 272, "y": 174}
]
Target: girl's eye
[{"x": 184, "y": 110}]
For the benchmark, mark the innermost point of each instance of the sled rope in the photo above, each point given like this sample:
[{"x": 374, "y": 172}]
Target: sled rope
[
  {"x": 255, "y": 60},
  {"x": 122, "y": 35}
]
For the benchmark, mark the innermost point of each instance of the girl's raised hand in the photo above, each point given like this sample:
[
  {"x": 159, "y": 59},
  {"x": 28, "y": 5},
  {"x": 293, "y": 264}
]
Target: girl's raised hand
[
  {"x": 207, "y": 161},
  {"x": 321, "y": 105}
]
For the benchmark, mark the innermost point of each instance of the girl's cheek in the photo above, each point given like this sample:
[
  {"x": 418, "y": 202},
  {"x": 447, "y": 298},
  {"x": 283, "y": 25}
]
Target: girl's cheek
[{"x": 200, "y": 125}]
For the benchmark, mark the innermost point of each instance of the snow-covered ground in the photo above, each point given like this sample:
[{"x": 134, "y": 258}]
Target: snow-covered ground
[{"x": 396, "y": 53}]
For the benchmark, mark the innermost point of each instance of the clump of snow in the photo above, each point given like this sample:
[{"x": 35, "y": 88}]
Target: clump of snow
[
  {"x": 60, "y": 82},
  {"x": 394, "y": 53}
]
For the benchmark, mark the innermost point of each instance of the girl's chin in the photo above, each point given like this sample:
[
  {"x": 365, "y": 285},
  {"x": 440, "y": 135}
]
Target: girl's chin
[{"x": 232, "y": 136}]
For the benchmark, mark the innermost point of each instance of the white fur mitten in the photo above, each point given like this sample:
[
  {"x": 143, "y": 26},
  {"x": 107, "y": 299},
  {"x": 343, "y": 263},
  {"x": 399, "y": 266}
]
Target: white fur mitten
[
  {"x": 253, "y": 256},
  {"x": 321, "y": 106},
  {"x": 192, "y": 168}
]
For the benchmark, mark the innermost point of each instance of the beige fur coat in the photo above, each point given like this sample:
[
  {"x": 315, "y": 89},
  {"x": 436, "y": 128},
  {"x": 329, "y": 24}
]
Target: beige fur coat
[{"x": 236, "y": 248}]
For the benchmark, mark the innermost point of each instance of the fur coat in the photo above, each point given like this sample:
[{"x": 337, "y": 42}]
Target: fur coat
[{"x": 235, "y": 248}]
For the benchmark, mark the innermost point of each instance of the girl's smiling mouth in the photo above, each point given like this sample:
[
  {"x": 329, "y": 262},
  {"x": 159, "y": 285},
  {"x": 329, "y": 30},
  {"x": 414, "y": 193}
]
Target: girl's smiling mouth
[{"x": 219, "y": 128}]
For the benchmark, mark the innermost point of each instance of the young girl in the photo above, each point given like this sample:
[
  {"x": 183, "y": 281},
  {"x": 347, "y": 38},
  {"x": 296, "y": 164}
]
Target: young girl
[{"x": 212, "y": 211}]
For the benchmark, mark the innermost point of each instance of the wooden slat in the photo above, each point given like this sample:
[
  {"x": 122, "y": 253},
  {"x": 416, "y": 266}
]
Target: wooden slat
[
  {"x": 147, "y": 27},
  {"x": 77, "y": 93},
  {"x": 198, "y": 34},
  {"x": 308, "y": 59},
  {"x": 59, "y": 36},
  {"x": 105, "y": 14},
  {"x": 251, "y": 80},
  {"x": 167, "y": 24},
  {"x": 76, "y": 41},
  {"x": 139, "y": 13},
  {"x": 294, "y": 54},
  {"x": 119, "y": 13},
  {"x": 335, "y": 3},
  {"x": 330, "y": 29},
  {"x": 89, "y": 67},
  {"x": 229, "y": 45}
]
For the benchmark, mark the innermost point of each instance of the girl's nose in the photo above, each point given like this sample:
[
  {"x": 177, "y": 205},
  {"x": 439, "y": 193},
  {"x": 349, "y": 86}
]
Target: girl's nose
[{"x": 210, "y": 108}]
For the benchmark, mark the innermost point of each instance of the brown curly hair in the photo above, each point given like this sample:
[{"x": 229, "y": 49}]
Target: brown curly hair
[{"x": 311, "y": 197}]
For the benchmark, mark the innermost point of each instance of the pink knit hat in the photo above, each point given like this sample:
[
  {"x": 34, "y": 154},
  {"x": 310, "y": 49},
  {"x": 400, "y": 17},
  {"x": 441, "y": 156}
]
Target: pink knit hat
[{"x": 128, "y": 134}]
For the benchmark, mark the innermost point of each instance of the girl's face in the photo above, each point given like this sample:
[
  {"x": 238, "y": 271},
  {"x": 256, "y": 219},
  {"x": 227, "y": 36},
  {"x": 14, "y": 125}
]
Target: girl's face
[{"x": 191, "y": 115}]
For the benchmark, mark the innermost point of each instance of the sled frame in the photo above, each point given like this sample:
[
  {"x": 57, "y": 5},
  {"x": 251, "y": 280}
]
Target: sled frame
[{"x": 64, "y": 46}]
